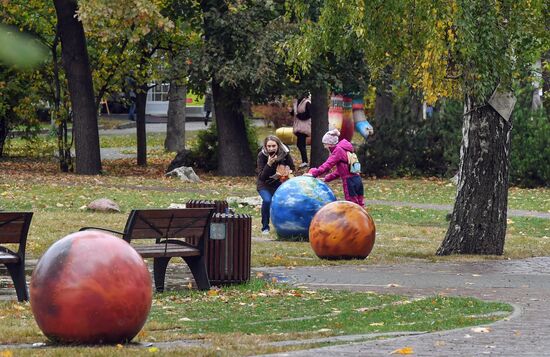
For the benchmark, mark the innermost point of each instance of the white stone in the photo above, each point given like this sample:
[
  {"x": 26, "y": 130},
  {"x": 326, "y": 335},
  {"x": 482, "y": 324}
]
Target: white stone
[
  {"x": 104, "y": 205},
  {"x": 186, "y": 174},
  {"x": 245, "y": 201}
]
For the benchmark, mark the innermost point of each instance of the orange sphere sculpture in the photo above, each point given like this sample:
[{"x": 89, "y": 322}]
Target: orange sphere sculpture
[
  {"x": 90, "y": 287},
  {"x": 342, "y": 230}
]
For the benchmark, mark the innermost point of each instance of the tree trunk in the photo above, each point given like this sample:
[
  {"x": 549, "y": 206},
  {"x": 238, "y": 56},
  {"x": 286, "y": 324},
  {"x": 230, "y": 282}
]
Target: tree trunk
[
  {"x": 234, "y": 156},
  {"x": 175, "y": 128},
  {"x": 141, "y": 102},
  {"x": 79, "y": 77},
  {"x": 319, "y": 124},
  {"x": 478, "y": 221}
]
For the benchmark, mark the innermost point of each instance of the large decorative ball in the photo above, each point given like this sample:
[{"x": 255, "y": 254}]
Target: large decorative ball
[
  {"x": 342, "y": 230},
  {"x": 295, "y": 203},
  {"x": 90, "y": 287}
]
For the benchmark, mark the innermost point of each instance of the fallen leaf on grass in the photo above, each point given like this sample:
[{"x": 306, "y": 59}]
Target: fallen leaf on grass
[
  {"x": 377, "y": 324},
  {"x": 403, "y": 351},
  {"x": 213, "y": 292}
]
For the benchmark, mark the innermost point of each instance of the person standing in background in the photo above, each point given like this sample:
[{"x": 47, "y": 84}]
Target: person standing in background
[
  {"x": 302, "y": 125},
  {"x": 207, "y": 105}
]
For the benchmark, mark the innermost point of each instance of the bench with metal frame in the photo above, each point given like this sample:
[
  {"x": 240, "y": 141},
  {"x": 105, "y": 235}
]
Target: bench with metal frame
[
  {"x": 172, "y": 230},
  {"x": 14, "y": 228}
]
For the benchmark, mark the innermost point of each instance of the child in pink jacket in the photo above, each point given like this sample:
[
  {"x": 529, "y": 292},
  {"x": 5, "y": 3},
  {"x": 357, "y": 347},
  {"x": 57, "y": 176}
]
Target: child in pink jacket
[{"x": 353, "y": 186}]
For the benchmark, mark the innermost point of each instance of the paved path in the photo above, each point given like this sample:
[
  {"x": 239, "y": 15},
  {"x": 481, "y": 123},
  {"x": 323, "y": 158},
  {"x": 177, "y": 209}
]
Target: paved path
[
  {"x": 523, "y": 283},
  {"x": 449, "y": 208}
]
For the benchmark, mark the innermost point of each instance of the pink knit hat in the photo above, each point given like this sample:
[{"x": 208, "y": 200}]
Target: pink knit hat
[{"x": 331, "y": 137}]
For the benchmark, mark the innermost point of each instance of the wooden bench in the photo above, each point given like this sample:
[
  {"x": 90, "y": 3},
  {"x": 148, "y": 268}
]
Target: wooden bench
[
  {"x": 177, "y": 233},
  {"x": 14, "y": 228}
]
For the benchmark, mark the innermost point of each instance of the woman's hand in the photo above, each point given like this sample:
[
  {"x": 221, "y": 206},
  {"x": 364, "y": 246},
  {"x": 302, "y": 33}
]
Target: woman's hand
[{"x": 271, "y": 160}]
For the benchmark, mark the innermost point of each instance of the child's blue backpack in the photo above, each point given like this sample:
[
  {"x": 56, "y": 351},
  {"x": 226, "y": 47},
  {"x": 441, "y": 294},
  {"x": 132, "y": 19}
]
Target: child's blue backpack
[{"x": 354, "y": 164}]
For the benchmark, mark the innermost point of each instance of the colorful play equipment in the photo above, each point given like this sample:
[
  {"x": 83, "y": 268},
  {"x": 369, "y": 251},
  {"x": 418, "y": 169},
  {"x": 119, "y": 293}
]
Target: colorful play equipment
[
  {"x": 342, "y": 230},
  {"x": 287, "y": 136},
  {"x": 295, "y": 203},
  {"x": 362, "y": 125},
  {"x": 346, "y": 113},
  {"x": 340, "y": 116},
  {"x": 90, "y": 288}
]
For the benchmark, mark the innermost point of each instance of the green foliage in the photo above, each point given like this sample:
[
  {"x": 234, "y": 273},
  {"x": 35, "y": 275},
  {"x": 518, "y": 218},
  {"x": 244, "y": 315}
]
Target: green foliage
[
  {"x": 204, "y": 153},
  {"x": 239, "y": 48},
  {"x": 530, "y": 155},
  {"x": 406, "y": 144},
  {"x": 17, "y": 109}
]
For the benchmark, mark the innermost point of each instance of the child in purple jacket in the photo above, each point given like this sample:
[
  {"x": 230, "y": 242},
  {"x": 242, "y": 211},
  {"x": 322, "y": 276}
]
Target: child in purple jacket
[{"x": 353, "y": 186}]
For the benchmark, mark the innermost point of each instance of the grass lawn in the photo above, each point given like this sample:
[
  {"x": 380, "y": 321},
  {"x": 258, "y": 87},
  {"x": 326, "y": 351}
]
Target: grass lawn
[
  {"x": 403, "y": 234},
  {"x": 266, "y": 312},
  {"x": 245, "y": 319}
]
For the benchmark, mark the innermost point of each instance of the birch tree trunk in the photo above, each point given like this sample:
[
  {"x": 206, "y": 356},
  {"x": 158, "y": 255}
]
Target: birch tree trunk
[{"x": 478, "y": 221}]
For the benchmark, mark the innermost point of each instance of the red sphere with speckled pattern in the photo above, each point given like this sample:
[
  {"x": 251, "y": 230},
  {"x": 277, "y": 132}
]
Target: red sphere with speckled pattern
[{"x": 90, "y": 287}]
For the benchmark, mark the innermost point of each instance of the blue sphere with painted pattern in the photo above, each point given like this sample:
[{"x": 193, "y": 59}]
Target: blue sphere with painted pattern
[{"x": 295, "y": 203}]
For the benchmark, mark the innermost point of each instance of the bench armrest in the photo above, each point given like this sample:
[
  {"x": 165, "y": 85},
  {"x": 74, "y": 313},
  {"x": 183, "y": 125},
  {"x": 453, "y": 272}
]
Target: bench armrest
[{"x": 100, "y": 229}]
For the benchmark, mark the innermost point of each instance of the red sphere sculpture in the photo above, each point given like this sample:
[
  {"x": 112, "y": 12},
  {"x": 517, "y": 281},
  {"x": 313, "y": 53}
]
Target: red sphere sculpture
[
  {"x": 90, "y": 287},
  {"x": 342, "y": 230}
]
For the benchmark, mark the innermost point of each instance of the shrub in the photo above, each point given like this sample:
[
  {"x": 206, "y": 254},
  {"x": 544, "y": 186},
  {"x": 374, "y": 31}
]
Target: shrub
[
  {"x": 407, "y": 144},
  {"x": 275, "y": 114},
  {"x": 530, "y": 154}
]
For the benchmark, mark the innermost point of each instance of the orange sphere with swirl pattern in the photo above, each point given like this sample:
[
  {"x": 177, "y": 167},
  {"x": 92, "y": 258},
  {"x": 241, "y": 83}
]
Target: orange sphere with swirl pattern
[{"x": 342, "y": 230}]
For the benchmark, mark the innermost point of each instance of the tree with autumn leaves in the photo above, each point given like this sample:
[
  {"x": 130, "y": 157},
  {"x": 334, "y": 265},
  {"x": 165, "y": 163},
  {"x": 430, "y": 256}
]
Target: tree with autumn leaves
[{"x": 476, "y": 50}]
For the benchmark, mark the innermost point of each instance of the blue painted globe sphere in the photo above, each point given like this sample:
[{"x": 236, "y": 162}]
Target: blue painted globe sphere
[{"x": 295, "y": 203}]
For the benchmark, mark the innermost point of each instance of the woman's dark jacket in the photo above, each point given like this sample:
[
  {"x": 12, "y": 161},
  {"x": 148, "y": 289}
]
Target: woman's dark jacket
[{"x": 265, "y": 171}]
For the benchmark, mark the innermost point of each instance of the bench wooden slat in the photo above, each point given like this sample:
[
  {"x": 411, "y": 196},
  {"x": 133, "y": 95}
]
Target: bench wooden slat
[
  {"x": 173, "y": 233},
  {"x": 176, "y": 213},
  {"x": 167, "y": 222},
  {"x": 8, "y": 258},
  {"x": 11, "y": 232},
  {"x": 13, "y": 226},
  {"x": 172, "y": 250},
  {"x": 13, "y": 237}
]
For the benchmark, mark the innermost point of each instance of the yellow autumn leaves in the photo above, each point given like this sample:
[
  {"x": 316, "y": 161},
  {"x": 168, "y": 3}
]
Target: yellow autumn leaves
[{"x": 434, "y": 71}]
